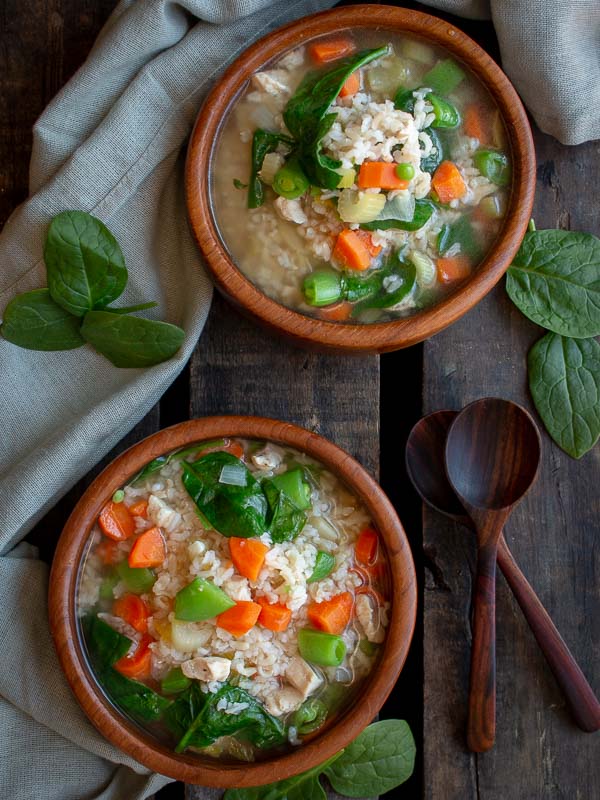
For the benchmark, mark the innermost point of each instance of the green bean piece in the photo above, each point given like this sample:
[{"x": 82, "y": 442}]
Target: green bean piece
[
  {"x": 405, "y": 171},
  {"x": 175, "y": 681},
  {"x": 310, "y": 716},
  {"x": 446, "y": 115},
  {"x": 201, "y": 600},
  {"x": 322, "y": 287},
  {"x": 493, "y": 165},
  {"x": 325, "y": 649},
  {"x": 324, "y": 563},
  {"x": 138, "y": 580},
  {"x": 290, "y": 181}
]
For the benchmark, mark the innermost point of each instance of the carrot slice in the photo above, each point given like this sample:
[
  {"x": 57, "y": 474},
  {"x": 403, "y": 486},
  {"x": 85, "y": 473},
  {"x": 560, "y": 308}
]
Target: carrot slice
[
  {"x": 337, "y": 312},
  {"x": 366, "y": 546},
  {"x": 133, "y": 610},
  {"x": 330, "y": 50},
  {"x": 476, "y": 123},
  {"x": 351, "y": 251},
  {"x": 138, "y": 664},
  {"x": 448, "y": 182},
  {"x": 380, "y": 175},
  {"x": 454, "y": 268},
  {"x": 241, "y": 618},
  {"x": 351, "y": 85},
  {"x": 108, "y": 551},
  {"x": 116, "y": 521},
  {"x": 149, "y": 550},
  {"x": 367, "y": 240},
  {"x": 248, "y": 556},
  {"x": 332, "y": 616},
  {"x": 274, "y": 616},
  {"x": 139, "y": 509}
]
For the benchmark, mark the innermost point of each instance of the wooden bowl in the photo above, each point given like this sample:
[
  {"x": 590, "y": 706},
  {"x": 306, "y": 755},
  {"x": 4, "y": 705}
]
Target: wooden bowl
[
  {"x": 377, "y": 337},
  {"x": 193, "y": 768}
]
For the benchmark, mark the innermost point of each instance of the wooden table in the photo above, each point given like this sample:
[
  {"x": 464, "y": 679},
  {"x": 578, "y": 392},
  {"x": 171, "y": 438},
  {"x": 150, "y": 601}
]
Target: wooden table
[{"x": 368, "y": 405}]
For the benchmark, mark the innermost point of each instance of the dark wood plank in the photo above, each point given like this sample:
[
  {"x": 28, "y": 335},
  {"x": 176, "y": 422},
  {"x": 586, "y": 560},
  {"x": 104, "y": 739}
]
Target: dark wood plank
[{"x": 539, "y": 753}]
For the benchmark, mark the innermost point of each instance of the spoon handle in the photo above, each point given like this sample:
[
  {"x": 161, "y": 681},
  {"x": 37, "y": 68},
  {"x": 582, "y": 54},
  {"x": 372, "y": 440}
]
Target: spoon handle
[
  {"x": 481, "y": 723},
  {"x": 579, "y": 694}
]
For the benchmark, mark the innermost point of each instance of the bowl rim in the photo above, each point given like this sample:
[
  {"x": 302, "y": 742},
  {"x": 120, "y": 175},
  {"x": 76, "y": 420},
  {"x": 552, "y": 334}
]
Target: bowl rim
[
  {"x": 67, "y": 638},
  {"x": 374, "y": 337}
]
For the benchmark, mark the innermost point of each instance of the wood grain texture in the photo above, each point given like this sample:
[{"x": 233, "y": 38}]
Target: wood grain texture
[{"x": 539, "y": 753}]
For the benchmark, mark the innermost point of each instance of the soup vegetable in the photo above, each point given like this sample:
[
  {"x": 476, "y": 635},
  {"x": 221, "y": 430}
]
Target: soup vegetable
[
  {"x": 376, "y": 177},
  {"x": 233, "y": 598}
]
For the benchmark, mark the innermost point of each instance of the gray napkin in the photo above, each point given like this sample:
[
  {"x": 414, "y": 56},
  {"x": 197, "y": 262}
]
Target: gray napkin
[{"x": 111, "y": 143}]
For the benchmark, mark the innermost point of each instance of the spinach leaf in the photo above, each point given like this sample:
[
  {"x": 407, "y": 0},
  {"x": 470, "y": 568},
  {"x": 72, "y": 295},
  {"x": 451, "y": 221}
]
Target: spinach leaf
[
  {"x": 306, "y": 114},
  {"x": 132, "y": 309},
  {"x": 231, "y": 510},
  {"x": 305, "y": 786},
  {"x": 434, "y": 158},
  {"x": 34, "y": 321},
  {"x": 459, "y": 233},
  {"x": 397, "y": 280},
  {"x": 131, "y": 341},
  {"x": 423, "y": 211},
  {"x": 377, "y": 761},
  {"x": 285, "y": 519},
  {"x": 564, "y": 379},
  {"x": 161, "y": 461},
  {"x": 183, "y": 711},
  {"x": 85, "y": 265},
  {"x": 263, "y": 142},
  {"x": 255, "y": 724},
  {"x": 324, "y": 564},
  {"x": 105, "y": 647},
  {"x": 555, "y": 281}
]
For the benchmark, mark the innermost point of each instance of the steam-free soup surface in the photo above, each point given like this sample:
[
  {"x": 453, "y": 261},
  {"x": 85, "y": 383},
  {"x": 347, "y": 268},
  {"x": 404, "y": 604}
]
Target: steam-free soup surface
[
  {"x": 234, "y": 598},
  {"x": 361, "y": 178}
]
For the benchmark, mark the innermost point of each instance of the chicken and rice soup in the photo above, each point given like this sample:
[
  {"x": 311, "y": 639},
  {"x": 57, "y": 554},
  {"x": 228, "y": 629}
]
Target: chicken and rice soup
[
  {"x": 233, "y": 598},
  {"x": 360, "y": 179}
]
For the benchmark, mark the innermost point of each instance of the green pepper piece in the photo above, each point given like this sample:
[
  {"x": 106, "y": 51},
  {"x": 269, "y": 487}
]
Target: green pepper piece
[
  {"x": 138, "y": 580},
  {"x": 290, "y": 181},
  {"x": 493, "y": 165},
  {"x": 324, "y": 563},
  {"x": 310, "y": 716},
  {"x": 325, "y": 649},
  {"x": 444, "y": 77},
  {"x": 175, "y": 681},
  {"x": 293, "y": 484},
  {"x": 200, "y": 600},
  {"x": 446, "y": 116},
  {"x": 107, "y": 586}
]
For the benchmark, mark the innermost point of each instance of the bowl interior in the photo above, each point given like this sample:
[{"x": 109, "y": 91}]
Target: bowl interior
[
  {"x": 136, "y": 741},
  {"x": 375, "y": 336}
]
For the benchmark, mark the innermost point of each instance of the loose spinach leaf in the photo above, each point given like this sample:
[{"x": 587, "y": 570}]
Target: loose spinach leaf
[
  {"x": 305, "y": 786},
  {"x": 86, "y": 268},
  {"x": 105, "y": 647},
  {"x": 307, "y": 119},
  {"x": 263, "y": 142},
  {"x": 377, "y": 761},
  {"x": 253, "y": 722},
  {"x": 132, "y": 309},
  {"x": 555, "y": 281},
  {"x": 231, "y": 510},
  {"x": 34, "y": 321},
  {"x": 564, "y": 379},
  {"x": 131, "y": 341},
  {"x": 285, "y": 520},
  {"x": 423, "y": 211}
]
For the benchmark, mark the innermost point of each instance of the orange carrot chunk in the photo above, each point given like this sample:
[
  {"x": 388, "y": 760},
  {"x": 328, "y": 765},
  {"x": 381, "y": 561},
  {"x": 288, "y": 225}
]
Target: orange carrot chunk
[
  {"x": 133, "y": 610},
  {"x": 248, "y": 556},
  {"x": 139, "y": 509},
  {"x": 241, "y": 618},
  {"x": 116, "y": 522},
  {"x": 137, "y": 665},
  {"x": 351, "y": 85},
  {"x": 330, "y": 50},
  {"x": 108, "y": 551},
  {"x": 366, "y": 546},
  {"x": 337, "y": 312},
  {"x": 380, "y": 175},
  {"x": 274, "y": 616},
  {"x": 448, "y": 182},
  {"x": 332, "y": 616},
  {"x": 476, "y": 123},
  {"x": 149, "y": 550},
  {"x": 455, "y": 268},
  {"x": 351, "y": 251}
]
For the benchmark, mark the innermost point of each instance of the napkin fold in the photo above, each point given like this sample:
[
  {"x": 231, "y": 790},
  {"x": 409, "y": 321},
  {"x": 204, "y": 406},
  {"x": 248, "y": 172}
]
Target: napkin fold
[{"x": 111, "y": 143}]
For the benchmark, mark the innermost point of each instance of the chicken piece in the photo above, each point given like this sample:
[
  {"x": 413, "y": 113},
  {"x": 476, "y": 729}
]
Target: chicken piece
[
  {"x": 303, "y": 677},
  {"x": 267, "y": 458},
  {"x": 211, "y": 668},
  {"x": 273, "y": 81},
  {"x": 290, "y": 210},
  {"x": 162, "y": 515},
  {"x": 368, "y": 616},
  {"x": 293, "y": 59},
  {"x": 283, "y": 701}
]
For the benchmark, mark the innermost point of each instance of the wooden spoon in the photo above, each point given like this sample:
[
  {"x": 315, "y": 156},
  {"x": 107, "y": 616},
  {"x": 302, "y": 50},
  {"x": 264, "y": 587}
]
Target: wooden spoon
[
  {"x": 425, "y": 467},
  {"x": 492, "y": 458}
]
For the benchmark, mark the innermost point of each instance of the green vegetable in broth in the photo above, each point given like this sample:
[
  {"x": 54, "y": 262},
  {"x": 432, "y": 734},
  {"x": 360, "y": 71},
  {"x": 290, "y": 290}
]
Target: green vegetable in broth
[
  {"x": 324, "y": 564},
  {"x": 161, "y": 461},
  {"x": 434, "y": 158},
  {"x": 462, "y": 234},
  {"x": 285, "y": 519},
  {"x": 444, "y": 77},
  {"x": 423, "y": 211},
  {"x": 322, "y": 287},
  {"x": 294, "y": 485},
  {"x": 138, "y": 580},
  {"x": 263, "y": 142},
  {"x": 199, "y": 600},
  {"x": 325, "y": 649},
  {"x": 396, "y": 281},
  {"x": 310, "y": 716},
  {"x": 494, "y": 165},
  {"x": 175, "y": 681},
  {"x": 446, "y": 115},
  {"x": 290, "y": 181}
]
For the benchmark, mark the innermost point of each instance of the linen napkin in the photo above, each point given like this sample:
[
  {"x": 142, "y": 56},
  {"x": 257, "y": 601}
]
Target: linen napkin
[{"x": 111, "y": 143}]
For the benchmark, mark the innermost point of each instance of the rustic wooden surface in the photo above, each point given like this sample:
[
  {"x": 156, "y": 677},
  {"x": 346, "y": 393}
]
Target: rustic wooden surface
[{"x": 368, "y": 406}]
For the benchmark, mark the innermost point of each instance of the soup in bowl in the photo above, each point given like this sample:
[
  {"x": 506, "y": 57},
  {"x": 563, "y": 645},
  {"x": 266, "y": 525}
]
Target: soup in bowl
[
  {"x": 360, "y": 178},
  {"x": 240, "y": 598}
]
